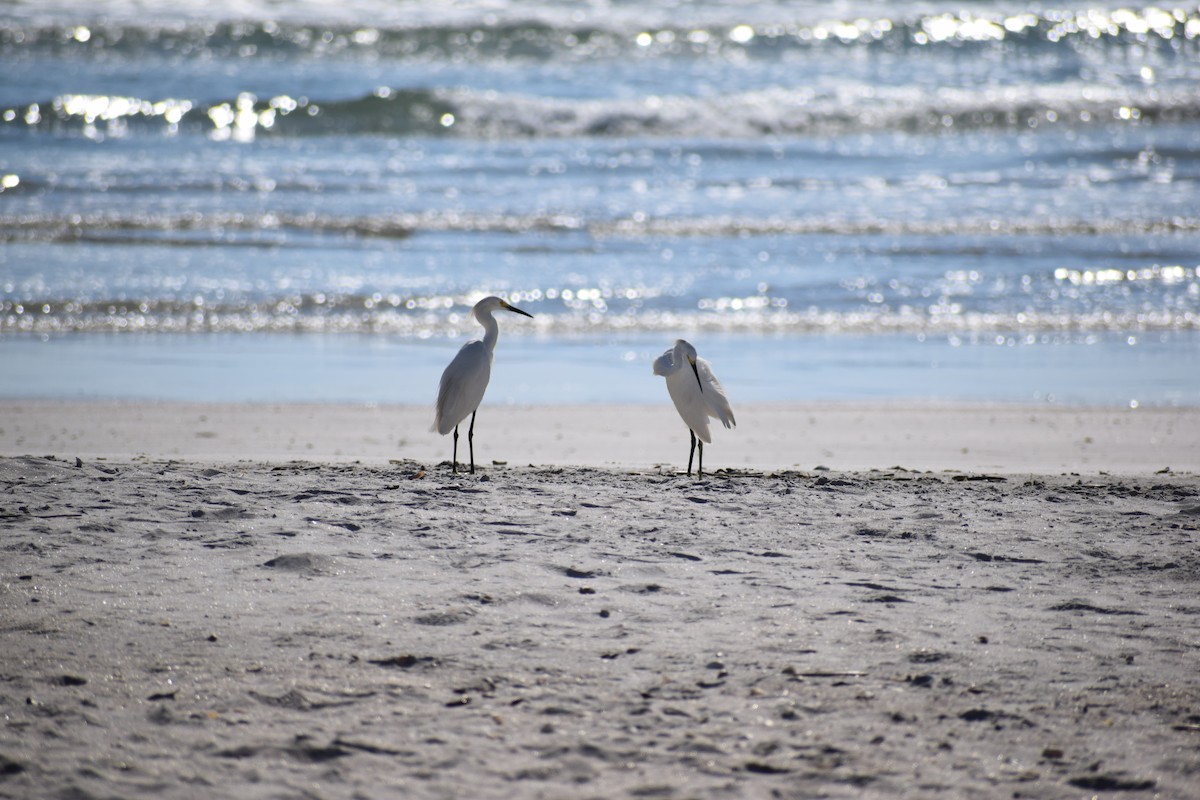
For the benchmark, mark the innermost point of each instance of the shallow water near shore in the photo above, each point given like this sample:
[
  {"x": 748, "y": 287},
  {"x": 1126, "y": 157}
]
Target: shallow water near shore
[{"x": 356, "y": 368}]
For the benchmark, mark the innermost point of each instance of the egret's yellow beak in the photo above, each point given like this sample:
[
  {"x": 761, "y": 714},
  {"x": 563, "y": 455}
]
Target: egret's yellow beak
[
  {"x": 515, "y": 309},
  {"x": 696, "y": 372}
]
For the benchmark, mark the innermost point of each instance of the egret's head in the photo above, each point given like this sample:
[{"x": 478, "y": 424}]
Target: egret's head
[{"x": 489, "y": 304}]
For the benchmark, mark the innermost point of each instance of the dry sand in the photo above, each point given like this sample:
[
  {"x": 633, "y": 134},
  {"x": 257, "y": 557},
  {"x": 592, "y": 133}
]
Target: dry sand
[{"x": 186, "y": 611}]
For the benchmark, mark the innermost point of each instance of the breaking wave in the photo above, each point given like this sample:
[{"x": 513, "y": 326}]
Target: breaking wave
[{"x": 1064, "y": 41}]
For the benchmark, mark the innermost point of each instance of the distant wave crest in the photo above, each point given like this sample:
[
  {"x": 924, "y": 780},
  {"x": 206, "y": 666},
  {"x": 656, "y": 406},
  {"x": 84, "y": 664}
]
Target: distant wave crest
[
  {"x": 275, "y": 229},
  {"x": 496, "y": 116}
]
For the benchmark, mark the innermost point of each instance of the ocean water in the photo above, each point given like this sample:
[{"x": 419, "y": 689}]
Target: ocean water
[{"x": 247, "y": 200}]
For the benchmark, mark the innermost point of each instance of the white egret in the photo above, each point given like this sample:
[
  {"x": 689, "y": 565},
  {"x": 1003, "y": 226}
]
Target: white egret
[
  {"x": 695, "y": 400},
  {"x": 466, "y": 378}
]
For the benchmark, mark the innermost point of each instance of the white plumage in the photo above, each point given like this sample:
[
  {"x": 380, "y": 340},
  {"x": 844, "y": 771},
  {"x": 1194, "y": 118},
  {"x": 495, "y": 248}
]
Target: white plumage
[
  {"x": 696, "y": 392},
  {"x": 463, "y": 384},
  {"x": 466, "y": 377}
]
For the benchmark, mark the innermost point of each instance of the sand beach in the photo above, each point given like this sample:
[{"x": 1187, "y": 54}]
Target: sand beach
[{"x": 303, "y": 601}]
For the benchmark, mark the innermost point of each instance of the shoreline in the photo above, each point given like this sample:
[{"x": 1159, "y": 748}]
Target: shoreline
[{"x": 1003, "y": 439}]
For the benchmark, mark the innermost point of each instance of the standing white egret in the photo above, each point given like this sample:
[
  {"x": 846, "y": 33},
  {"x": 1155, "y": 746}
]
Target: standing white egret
[
  {"x": 466, "y": 378},
  {"x": 695, "y": 400}
]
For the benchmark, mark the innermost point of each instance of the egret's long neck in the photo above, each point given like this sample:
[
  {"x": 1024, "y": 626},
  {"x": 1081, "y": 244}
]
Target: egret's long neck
[
  {"x": 681, "y": 362},
  {"x": 491, "y": 331}
]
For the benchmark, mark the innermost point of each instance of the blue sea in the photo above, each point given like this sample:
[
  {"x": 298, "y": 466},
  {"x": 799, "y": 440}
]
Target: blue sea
[{"x": 245, "y": 200}]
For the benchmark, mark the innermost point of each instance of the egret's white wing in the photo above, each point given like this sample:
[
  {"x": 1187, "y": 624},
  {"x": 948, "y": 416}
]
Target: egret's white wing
[
  {"x": 689, "y": 402},
  {"x": 714, "y": 394},
  {"x": 463, "y": 384}
]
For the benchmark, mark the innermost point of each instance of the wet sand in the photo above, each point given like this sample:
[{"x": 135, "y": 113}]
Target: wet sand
[
  {"x": 1000, "y": 438},
  {"x": 180, "y": 622}
]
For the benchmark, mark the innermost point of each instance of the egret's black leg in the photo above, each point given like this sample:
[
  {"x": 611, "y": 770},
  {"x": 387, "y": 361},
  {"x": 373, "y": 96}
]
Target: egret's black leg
[
  {"x": 700, "y": 468},
  {"x": 691, "y": 452},
  {"x": 471, "y": 441},
  {"x": 454, "y": 462}
]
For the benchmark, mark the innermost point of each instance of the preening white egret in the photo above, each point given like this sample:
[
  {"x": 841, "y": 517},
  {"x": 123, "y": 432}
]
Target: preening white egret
[
  {"x": 466, "y": 378},
  {"x": 697, "y": 393}
]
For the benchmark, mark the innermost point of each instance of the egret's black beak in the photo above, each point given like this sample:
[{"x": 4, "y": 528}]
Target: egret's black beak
[
  {"x": 517, "y": 310},
  {"x": 696, "y": 372}
]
